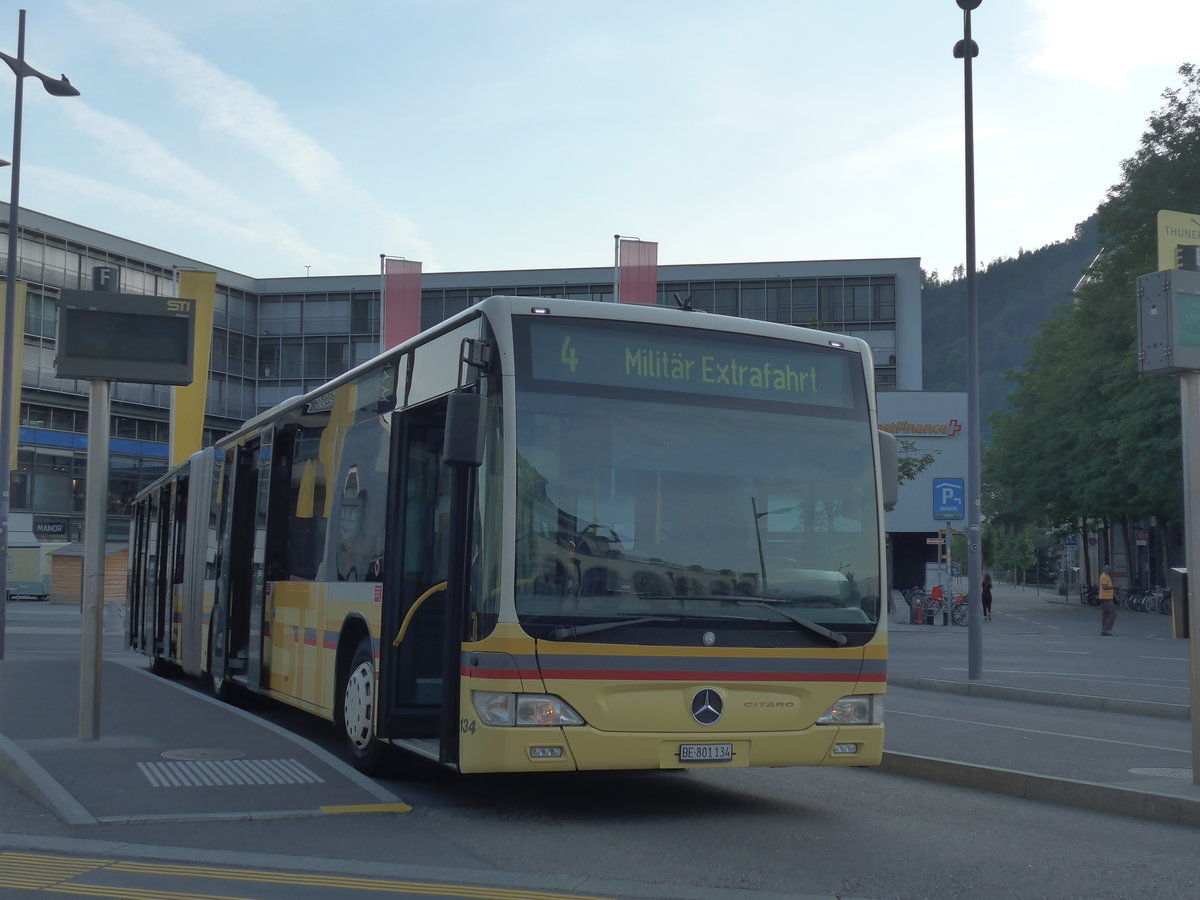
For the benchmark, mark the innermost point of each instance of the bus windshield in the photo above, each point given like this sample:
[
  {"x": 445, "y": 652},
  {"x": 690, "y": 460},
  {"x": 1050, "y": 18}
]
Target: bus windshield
[{"x": 646, "y": 509}]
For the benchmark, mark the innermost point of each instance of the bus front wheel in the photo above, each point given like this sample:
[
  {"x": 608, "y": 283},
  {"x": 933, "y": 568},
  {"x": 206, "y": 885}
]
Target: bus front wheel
[{"x": 358, "y": 709}]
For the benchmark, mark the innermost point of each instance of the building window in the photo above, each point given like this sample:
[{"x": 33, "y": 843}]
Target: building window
[
  {"x": 779, "y": 303},
  {"x": 327, "y": 315},
  {"x": 314, "y": 358},
  {"x": 279, "y": 360},
  {"x": 364, "y": 314},
  {"x": 832, "y": 309},
  {"x": 882, "y": 343},
  {"x": 885, "y": 300},
  {"x": 41, "y": 315},
  {"x": 279, "y": 318},
  {"x": 858, "y": 302},
  {"x": 804, "y": 303},
  {"x": 725, "y": 297},
  {"x": 123, "y": 427},
  {"x": 123, "y": 484},
  {"x": 754, "y": 300},
  {"x": 33, "y": 416}
]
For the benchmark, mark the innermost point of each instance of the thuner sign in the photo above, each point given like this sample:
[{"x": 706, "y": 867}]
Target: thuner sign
[{"x": 1176, "y": 230}]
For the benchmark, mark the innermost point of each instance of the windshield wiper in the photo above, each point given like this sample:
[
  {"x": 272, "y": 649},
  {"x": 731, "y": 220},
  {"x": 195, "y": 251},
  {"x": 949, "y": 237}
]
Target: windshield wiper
[
  {"x": 828, "y": 633},
  {"x": 835, "y": 637},
  {"x": 562, "y": 632}
]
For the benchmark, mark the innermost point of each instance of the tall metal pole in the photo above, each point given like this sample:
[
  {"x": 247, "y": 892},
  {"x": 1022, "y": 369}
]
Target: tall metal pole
[
  {"x": 966, "y": 50},
  {"x": 95, "y": 533},
  {"x": 616, "y": 268},
  {"x": 1189, "y": 395},
  {"x": 10, "y": 378}
]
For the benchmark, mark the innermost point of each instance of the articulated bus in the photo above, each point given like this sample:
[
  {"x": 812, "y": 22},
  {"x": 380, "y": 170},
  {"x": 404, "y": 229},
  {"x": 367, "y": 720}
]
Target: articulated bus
[{"x": 546, "y": 535}]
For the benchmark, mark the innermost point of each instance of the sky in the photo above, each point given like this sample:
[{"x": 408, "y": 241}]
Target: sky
[{"x": 308, "y": 137}]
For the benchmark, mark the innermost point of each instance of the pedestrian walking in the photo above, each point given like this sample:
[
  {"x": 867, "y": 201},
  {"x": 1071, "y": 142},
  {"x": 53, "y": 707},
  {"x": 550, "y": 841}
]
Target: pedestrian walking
[
  {"x": 1108, "y": 604},
  {"x": 986, "y": 595}
]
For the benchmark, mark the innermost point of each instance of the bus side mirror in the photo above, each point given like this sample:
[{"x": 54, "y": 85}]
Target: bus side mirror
[
  {"x": 889, "y": 466},
  {"x": 463, "y": 443}
]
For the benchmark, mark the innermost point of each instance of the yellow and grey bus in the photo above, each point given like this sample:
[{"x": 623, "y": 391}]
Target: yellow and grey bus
[{"x": 547, "y": 535}]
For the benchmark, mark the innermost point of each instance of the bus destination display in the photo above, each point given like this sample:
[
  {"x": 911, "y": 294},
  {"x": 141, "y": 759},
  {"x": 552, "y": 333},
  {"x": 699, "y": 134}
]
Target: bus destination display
[{"x": 649, "y": 357}]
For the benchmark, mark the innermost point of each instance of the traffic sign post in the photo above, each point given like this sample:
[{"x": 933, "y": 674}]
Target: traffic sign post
[
  {"x": 949, "y": 499},
  {"x": 1178, "y": 353},
  {"x": 105, "y": 336},
  {"x": 949, "y": 505}
]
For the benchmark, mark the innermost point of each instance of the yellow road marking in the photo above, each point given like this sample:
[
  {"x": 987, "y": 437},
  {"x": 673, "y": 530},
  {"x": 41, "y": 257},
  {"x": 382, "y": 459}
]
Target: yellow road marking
[
  {"x": 367, "y": 808},
  {"x": 42, "y": 872}
]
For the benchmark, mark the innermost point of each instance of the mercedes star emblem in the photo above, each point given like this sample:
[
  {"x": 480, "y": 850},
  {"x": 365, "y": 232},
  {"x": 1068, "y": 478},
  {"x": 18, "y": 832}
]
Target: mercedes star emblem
[{"x": 707, "y": 706}]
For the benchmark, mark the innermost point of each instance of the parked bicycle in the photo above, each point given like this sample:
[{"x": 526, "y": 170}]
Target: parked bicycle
[
  {"x": 1155, "y": 599},
  {"x": 935, "y": 608},
  {"x": 1164, "y": 602},
  {"x": 1137, "y": 599},
  {"x": 959, "y": 610}
]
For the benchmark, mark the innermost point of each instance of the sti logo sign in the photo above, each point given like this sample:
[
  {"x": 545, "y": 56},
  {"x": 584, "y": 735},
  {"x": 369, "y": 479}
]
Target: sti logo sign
[{"x": 949, "y": 499}]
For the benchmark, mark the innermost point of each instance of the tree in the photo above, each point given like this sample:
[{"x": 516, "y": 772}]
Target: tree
[
  {"x": 1016, "y": 554},
  {"x": 909, "y": 465},
  {"x": 1085, "y": 436}
]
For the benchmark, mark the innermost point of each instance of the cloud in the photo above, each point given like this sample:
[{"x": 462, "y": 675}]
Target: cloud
[
  {"x": 145, "y": 157},
  {"x": 248, "y": 228},
  {"x": 226, "y": 105},
  {"x": 239, "y": 114},
  {"x": 1104, "y": 43}
]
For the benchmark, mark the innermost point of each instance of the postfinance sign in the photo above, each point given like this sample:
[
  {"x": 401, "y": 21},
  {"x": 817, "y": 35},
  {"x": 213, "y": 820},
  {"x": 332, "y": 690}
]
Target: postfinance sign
[{"x": 904, "y": 428}]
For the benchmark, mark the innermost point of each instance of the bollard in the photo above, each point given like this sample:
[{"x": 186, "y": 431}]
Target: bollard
[{"x": 918, "y": 616}]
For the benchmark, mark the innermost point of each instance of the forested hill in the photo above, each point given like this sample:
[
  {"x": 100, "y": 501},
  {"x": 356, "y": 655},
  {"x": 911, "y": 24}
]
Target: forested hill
[{"x": 1015, "y": 297}]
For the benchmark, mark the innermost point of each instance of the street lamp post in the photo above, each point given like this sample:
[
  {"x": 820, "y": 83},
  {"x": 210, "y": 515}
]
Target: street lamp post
[
  {"x": 966, "y": 50},
  {"x": 58, "y": 87}
]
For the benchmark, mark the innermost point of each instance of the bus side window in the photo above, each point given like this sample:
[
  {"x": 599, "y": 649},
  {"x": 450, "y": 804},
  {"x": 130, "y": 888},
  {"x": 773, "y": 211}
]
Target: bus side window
[{"x": 350, "y": 521}]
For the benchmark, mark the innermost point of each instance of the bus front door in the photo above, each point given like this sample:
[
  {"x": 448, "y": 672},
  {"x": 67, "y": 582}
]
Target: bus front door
[{"x": 418, "y": 687}]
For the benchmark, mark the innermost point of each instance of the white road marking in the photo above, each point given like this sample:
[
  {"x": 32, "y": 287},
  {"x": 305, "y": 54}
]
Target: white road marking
[{"x": 892, "y": 711}]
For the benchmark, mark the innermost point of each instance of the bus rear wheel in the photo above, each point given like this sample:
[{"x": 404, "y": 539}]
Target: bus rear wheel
[{"x": 358, "y": 710}]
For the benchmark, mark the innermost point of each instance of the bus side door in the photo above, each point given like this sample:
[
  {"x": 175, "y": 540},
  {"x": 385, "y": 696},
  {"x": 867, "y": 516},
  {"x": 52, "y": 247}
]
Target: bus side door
[{"x": 237, "y": 640}]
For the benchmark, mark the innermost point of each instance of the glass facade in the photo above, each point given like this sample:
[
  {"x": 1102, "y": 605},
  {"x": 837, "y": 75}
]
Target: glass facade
[{"x": 270, "y": 345}]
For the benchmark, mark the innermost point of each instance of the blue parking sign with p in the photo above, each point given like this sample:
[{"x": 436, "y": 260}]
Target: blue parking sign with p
[{"x": 949, "y": 499}]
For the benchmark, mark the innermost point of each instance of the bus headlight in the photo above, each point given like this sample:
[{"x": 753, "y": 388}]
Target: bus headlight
[
  {"x": 524, "y": 709},
  {"x": 862, "y": 710}
]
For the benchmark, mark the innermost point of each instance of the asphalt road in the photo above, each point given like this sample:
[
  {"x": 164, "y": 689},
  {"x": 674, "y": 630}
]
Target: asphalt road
[{"x": 727, "y": 833}]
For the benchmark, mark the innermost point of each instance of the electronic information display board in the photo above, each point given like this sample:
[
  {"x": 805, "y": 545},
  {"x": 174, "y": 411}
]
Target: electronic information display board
[
  {"x": 125, "y": 337},
  {"x": 1169, "y": 322},
  {"x": 588, "y": 353}
]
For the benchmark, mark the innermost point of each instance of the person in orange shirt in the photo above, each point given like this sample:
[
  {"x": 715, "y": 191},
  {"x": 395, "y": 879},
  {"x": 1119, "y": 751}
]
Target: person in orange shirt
[{"x": 1108, "y": 604}]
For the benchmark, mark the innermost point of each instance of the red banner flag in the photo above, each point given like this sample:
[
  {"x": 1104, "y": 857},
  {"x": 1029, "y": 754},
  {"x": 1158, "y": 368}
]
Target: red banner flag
[
  {"x": 638, "y": 270},
  {"x": 401, "y": 313}
]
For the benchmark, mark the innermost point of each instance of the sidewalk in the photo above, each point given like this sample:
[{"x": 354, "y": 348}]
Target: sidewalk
[
  {"x": 165, "y": 752},
  {"x": 1060, "y": 715}
]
